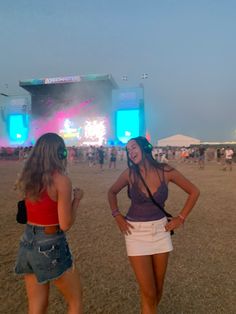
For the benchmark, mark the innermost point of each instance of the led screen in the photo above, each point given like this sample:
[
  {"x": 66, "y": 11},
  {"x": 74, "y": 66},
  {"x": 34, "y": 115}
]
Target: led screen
[
  {"x": 83, "y": 131},
  {"x": 127, "y": 124},
  {"x": 18, "y": 128}
]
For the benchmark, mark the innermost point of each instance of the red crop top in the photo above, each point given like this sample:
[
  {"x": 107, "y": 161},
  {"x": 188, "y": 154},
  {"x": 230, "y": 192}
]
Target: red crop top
[{"x": 42, "y": 212}]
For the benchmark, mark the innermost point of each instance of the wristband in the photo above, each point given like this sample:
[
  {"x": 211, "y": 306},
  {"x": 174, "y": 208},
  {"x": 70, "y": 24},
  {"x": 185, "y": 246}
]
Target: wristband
[
  {"x": 181, "y": 217},
  {"x": 115, "y": 212}
]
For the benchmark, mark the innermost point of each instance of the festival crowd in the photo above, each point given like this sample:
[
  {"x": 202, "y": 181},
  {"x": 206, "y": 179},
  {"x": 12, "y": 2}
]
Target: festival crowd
[{"x": 93, "y": 155}]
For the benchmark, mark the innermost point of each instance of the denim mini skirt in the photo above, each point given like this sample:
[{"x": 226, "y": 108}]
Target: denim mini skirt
[
  {"x": 47, "y": 256},
  {"x": 148, "y": 238}
]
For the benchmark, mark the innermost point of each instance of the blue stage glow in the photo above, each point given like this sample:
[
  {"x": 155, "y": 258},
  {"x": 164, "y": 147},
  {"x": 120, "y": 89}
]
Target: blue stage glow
[
  {"x": 18, "y": 128},
  {"x": 127, "y": 124}
]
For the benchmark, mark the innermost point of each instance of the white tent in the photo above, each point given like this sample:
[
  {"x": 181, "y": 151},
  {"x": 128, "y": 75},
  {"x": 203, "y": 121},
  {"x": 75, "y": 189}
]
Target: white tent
[{"x": 178, "y": 140}]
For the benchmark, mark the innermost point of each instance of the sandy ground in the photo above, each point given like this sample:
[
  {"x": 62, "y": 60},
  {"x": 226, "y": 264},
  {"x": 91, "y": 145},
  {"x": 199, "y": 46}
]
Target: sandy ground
[{"x": 201, "y": 272}]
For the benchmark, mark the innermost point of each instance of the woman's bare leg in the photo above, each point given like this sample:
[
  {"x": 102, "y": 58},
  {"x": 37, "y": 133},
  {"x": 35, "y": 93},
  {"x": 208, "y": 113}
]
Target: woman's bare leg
[
  {"x": 37, "y": 295},
  {"x": 160, "y": 262},
  {"x": 69, "y": 286},
  {"x": 143, "y": 269}
]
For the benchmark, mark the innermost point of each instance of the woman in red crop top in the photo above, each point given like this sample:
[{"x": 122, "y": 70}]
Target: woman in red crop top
[
  {"x": 51, "y": 205},
  {"x": 145, "y": 226}
]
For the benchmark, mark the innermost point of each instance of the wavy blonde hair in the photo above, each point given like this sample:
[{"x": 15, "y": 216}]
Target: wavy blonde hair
[{"x": 40, "y": 166}]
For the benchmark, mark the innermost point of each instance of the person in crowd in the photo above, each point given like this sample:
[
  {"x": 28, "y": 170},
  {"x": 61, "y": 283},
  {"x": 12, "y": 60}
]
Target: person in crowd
[
  {"x": 101, "y": 156},
  {"x": 228, "y": 158},
  {"x": 218, "y": 155},
  {"x": 113, "y": 156},
  {"x": 121, "y": 154},
  {"x": 191, "y": 154},
  {"x": 51, "y": 205},
  {"x": 145, "y": 225},
  {"x": 184, "y": 154},
  {"x": 222, "y": 158},
  {"x": 21, "y": 154},
  {"x": 201, "y": 157},
  {"x": 90, "y": 156},
  {"x": 71, "y": 155},
  {"x": 164, "y": 157},
  {"x": 155, "y": 153}
]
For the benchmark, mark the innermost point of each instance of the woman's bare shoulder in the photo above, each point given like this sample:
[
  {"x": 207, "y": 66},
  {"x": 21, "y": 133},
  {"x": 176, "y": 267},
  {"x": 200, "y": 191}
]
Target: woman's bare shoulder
[
  {"x": 167, "y": 168},
  {"x": 61, "y": 179},
  {"x": 167, "y": 171},
  {"x": 126, "y": 172}
]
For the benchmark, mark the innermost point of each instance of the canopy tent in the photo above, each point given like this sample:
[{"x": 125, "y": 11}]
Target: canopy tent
[{"x": 178, "y": 140}]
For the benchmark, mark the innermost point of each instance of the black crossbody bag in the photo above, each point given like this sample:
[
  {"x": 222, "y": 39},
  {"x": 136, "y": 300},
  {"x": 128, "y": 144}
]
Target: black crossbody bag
[
  {"x": 168, "y": 215},
  {"x": 21, "y": 216}
]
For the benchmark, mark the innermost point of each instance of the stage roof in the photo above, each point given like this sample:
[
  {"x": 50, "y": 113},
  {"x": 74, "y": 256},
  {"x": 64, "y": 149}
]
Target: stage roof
[{"x": 34, "y": 84}]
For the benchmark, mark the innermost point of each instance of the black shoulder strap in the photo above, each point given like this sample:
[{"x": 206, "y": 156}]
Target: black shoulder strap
[{"x": 152, "y": 198}]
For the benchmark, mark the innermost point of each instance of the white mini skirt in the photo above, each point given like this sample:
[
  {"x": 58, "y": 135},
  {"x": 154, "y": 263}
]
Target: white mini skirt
[{"x": 148, "y": 238}]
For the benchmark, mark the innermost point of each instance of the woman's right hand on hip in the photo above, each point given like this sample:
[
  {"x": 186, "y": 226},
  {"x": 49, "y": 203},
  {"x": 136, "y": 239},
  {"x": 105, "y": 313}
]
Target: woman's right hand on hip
[{"x": 123, "y": 224}]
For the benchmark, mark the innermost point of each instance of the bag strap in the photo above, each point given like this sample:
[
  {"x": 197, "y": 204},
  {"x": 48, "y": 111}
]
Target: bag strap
[{"x": 152, "y": 198}]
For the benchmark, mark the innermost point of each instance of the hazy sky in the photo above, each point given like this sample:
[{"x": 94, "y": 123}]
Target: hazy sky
[{"x": 187, "y": 48}]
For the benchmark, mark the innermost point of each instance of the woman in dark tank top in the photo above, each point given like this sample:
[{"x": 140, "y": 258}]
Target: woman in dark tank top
[
  {"x": 142, "y": 207},
  {"x": 145, "y": 225}
]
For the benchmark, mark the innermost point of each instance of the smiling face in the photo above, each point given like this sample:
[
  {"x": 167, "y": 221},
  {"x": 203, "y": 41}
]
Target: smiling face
[{"x": 134, "y": 152}]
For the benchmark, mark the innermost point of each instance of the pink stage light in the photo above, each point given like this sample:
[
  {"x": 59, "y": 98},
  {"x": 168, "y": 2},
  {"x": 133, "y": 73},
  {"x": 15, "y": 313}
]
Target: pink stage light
[{"x": 55, "y": 122}]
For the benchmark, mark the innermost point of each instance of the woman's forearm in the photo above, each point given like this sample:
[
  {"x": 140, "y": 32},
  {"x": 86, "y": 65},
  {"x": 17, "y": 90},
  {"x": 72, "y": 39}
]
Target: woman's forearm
[
  {"x": 191, "y": 201},
  {"x": 70, "y": 217},
  {"x": 74, "y": 207},
  {"x": 112, "y": 199}
]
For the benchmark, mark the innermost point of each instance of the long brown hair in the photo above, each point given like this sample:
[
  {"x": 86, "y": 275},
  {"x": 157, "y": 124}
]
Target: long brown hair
[
  {"x": 40, "y": 166},
  {"x": 146, "y": 149}
]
